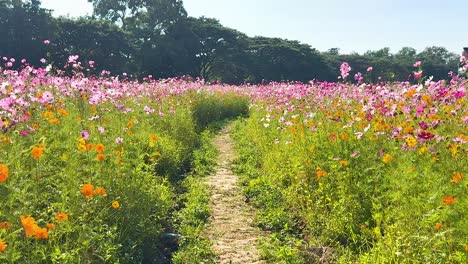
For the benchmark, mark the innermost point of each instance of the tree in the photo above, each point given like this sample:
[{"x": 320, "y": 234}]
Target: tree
[
  {"x": 276, "y": 59},
  {"x": 99, "y": 41},
  {"x": 23, "y": 28},
  {"x": 437, "y": 62},
  {"x": 153, "y": 15},
  {"x": 219, "y": 51}
]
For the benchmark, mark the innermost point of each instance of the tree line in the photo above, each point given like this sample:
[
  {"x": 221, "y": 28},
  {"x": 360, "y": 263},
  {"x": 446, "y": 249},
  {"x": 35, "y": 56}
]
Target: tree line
[{"x": 158, "y": 38}]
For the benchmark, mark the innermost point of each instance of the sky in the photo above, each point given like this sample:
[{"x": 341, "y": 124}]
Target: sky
[{"x": 352, "y": 26}]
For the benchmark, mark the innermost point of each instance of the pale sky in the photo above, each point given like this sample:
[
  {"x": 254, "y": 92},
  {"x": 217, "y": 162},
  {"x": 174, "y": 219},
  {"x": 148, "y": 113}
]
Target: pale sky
[{"x": 357, "y": 25}]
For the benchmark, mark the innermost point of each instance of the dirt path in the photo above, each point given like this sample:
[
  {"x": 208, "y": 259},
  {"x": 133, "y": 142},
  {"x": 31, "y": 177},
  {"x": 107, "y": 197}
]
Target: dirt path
[{"x": 231, "y": 228}]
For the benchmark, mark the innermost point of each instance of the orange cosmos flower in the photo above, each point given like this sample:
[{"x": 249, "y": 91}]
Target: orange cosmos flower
[
  {"x": 87, "y": 190},
  {"x": 3, "y": 173},
  {"x": 100, "y": 148},
  {"x": 100, "y": 157},
  {"x": 320, "y": 174},
  {"x": 3, "y": 246},
  {"x": 455, "y": 179},
  {"x": 344, "y": 136},
  {"x": 37, "y": 152},
  {"x": 89, "y": 146},
  {"x": 343, "y": 163},
  {"x": 438, "y": 226},
  {"x": 448, "y": 200},
  {"x": 48, "y": 114},
  {"x": 101, "y": 191},
  {"x": 61, "y": 216},
  {"x": 50, "y": 226},
  {"x": 29, "y": 225},
  {"x": 5, "y": 225},
  {"x": 41, "y": 233},
  {"x": 63, "y": 112}
]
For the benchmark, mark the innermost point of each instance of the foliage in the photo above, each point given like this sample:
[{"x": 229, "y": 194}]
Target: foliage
[
  {"x": 194, "y": 247},
  {"x": 158, "y": 39}
]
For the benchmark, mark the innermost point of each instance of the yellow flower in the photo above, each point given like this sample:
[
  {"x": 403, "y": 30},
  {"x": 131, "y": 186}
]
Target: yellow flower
[
  {"x": 82, "y": 147},
  {"x": 48, "y": 114},
  {"x": 411, "y": 141},
  {"x": 54, "y": 121},
  {"x": 115, "y": 204},
  {"x": 387, "y": 158},
  {"x": 3, "y": 173},
  {"x": 422, "y": 150}
]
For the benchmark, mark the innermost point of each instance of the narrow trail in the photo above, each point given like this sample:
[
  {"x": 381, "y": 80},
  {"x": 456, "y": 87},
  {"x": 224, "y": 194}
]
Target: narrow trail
[{"x": 231, "y": 228}]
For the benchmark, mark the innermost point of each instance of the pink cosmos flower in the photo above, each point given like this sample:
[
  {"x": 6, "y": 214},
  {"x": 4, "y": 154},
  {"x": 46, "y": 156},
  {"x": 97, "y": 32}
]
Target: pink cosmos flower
[
  {"x": 85, "y": 134},
  {"x": 46, "y": 42},
  {"x": 73, "y": 58},
  {"x": 119, "y": 140},
  {"x": 345, "y": 69},
  {"x": 370, "y": 69},
  {"x": 418, "y": 75},
  {"x": 426, "y": 135},
  {"x": 417, "y": 64},
  {"x": 358, "y": 77}
]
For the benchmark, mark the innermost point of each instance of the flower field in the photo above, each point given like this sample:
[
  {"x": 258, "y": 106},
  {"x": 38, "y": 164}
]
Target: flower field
[
  {"x": 366, "y": 173},
  {"x": 91, "y": 166}
]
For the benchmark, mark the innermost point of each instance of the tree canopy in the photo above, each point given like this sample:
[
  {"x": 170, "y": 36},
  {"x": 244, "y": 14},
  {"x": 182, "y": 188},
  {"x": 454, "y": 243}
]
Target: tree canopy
[{"x": 156, "y": 37}]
